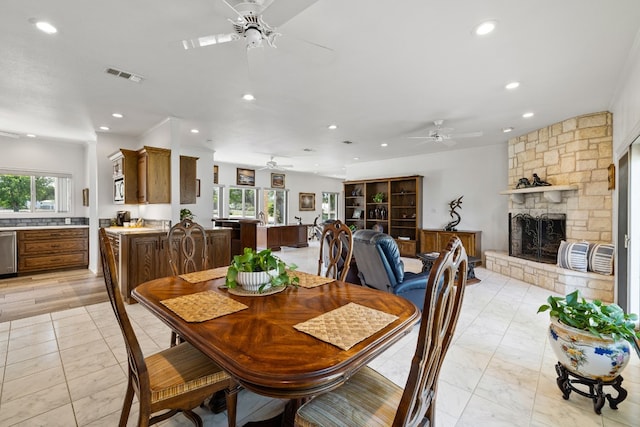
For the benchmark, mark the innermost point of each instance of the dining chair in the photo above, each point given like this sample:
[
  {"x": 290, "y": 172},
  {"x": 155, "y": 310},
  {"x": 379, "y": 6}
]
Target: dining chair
[
  {"x": 370, "y": 399},
  {"x": 336, "y": 250},
  {"x": 186, "y": 255},
  {"x": 174, "y": 380}
]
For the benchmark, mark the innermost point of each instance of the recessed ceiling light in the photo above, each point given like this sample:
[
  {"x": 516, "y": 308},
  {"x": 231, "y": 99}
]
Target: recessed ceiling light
[
  {"x": 316, "y": 164},
  {"x": 507, "y": 130},
  {"x": 248, "y": 97},
  {"x": 356, "y": 158},
  {"x": 194, "y": 131},
  {"x": 527, "y": 115},
  {"x": 512, "y": 85},
  {"x": 333, "y": 127},
  {"x": 384, "y": 144},
  {"x": 30, "y": 135},
  {"x": 485, "y": 28},
  {"x": 104, "y": 127},
  {"x": 46, "y": 27},
  {"x": 117, "y": 115}
]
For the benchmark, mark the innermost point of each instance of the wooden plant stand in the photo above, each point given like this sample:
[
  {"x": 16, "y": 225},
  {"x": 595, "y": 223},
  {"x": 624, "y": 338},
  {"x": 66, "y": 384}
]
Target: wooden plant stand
[{"x": 566, "y": 381}]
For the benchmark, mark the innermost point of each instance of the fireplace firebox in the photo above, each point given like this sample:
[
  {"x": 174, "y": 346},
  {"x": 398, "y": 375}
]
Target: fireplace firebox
[{"x": 536, "y": 238}]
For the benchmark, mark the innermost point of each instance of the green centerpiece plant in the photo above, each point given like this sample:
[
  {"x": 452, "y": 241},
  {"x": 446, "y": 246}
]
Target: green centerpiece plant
[{"x": 261, "y": 261}]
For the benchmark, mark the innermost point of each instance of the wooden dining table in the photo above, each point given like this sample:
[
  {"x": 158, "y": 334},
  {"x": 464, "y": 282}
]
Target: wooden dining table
[{"x": 260, "y": 347}]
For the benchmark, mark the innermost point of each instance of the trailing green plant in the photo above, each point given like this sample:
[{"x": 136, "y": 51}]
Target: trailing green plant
[
  {"x": 597, "y": 318},
  {"x": 254, "y": 261},
  {"x": 378, "y": 197},
  {"x": 186, "y": 214}
]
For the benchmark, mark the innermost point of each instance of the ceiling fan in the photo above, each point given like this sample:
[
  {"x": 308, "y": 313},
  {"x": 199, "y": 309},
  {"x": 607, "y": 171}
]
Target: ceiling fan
[
  {"x": 249, "y": 23},
  {"x": 273, "y": 165},
  {"x": 443, "y": 135}
]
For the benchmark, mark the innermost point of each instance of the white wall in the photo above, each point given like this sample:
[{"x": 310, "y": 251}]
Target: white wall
[
  {"x": 48, "y": 156},
  {"x": 295, "y": 182},
  {"x": 478, "y": 174}
]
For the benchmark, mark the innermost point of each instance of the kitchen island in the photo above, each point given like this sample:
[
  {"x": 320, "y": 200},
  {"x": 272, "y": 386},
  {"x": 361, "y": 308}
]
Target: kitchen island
[{"x": 276, "y": 236}]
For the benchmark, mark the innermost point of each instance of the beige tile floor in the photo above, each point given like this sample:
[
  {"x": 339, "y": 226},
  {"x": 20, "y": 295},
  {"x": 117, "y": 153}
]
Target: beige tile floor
[{"x": 67, "y": 368}]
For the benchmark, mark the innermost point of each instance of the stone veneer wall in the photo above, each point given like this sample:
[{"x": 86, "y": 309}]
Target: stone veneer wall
[{"x": 576, "y": 151}]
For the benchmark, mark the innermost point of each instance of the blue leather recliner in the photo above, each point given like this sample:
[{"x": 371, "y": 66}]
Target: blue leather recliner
[{"x": 380, "y": 267}]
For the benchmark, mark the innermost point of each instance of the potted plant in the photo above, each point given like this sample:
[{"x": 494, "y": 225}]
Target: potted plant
[
  {"x": 186, "y": 214},
  {"x": 259, "y": 270},
  {"x": 590, "y": 339},
  {"x": 378, "y": 197}
]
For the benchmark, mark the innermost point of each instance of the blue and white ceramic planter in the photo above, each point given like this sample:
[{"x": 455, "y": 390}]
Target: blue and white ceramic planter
[{"x": 587, "y": 355}]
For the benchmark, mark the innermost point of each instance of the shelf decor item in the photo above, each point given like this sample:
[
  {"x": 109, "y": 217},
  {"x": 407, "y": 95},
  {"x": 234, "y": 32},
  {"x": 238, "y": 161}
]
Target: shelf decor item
[{"x": 378, "y": 197}]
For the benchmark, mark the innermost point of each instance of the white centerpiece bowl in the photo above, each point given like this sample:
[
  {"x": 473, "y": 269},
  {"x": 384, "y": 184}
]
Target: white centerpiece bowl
[{"x": 252, "y": 281}]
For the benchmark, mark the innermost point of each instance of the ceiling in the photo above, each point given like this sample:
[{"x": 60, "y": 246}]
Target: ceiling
[{"x": 381, "y": 70}]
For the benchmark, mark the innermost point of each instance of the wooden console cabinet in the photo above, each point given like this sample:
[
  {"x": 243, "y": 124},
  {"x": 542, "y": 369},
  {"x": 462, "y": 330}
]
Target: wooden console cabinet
[
  {"x": 144, "y": 256},
  {"x": 437, "y": 240},
  {"x": 52, "y": 249},
  {"x": 243, "y": 233},
  {"x": 276, "y": 236}
]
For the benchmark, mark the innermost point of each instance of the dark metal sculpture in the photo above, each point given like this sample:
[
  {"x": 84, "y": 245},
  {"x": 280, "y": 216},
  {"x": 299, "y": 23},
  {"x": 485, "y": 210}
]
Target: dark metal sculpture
[
  {"x": 453, "y": 205},
  {"x": 523, "y": 183},
  {"x": 538, "y": 182}
]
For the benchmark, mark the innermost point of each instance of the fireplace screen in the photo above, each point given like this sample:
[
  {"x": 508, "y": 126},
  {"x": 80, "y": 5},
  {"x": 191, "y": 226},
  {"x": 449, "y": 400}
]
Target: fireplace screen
[{"x": 536, "y": 238}]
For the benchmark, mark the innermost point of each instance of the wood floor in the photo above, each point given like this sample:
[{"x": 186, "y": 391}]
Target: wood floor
[{"x": 27, "y": 296}]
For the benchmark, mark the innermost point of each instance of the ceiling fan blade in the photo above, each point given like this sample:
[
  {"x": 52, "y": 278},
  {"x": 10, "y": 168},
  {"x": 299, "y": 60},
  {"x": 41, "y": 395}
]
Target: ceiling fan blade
[
  {"x": 282, "y": 11},
  {"x": 465, "y": 135},
  {"x": 448, "y": 143},
  {"x": 209, "y": 40},
  {"x": 431, "y": 138}
]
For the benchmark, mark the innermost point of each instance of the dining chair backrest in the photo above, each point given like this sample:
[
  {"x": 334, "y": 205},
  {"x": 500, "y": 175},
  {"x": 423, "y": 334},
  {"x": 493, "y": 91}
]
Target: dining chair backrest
[
  {"x": 187, "y": 247},
  {"x": 137, "y": 366},
  {"x": 443, "y": 300},
  {"x": 336, "y": 250}
]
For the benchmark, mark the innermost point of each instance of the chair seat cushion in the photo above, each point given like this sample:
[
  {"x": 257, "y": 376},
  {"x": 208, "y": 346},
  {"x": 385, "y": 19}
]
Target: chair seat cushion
[
  {"x": 367, "y": 399},
  {"x": 180, "y": 369}
]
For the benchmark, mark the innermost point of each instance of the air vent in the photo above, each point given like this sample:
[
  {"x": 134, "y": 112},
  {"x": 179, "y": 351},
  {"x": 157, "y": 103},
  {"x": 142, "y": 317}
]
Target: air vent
[
  {"x": 124, "y": 74},
  {"x": 347, "y": 142}
]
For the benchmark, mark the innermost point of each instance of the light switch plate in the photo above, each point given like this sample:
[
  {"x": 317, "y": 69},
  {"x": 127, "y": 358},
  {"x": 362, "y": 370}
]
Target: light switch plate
[{"x": 67, "y": 221}]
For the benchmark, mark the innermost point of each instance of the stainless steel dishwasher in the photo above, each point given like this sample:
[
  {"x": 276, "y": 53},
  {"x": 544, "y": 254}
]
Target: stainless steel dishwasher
[{"x": 7, "y": 253}]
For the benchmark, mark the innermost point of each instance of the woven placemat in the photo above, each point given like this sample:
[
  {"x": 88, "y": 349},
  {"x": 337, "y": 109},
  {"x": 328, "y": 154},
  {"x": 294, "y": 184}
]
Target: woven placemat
[
  {"x": 204, "y": 275},
  {"x": 346, "y": 326},
  {"x": 310, "y": 280},
  {"x": 202, "y": 306}
]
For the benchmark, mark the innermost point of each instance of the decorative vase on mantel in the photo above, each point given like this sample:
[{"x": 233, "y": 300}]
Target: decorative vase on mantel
[{"x": 584, "y": 354}]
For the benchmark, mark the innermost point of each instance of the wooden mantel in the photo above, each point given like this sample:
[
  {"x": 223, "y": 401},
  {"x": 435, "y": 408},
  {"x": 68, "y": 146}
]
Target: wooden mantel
[{"x": 552, "y": 193}]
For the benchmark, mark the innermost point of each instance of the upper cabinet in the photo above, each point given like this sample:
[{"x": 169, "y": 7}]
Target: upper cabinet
[
  {"x": 142, "y": 176},
  {"x": 393, "y": 204},
  {"x": 125, "y": 176},
  {"x": 154, "y": 175},
  {"x": 188, "y": 186}
]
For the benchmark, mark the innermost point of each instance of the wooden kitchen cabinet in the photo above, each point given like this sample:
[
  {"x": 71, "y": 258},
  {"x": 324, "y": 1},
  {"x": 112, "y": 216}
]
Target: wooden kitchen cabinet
[
  {"x": 125, "y": 177},
  {"x": 154, "y": 175},
  {"x": 52, "y": 249},
  {"x": 437, "y": 240},
  {"x": 145, "y": 256},
  {"x": 188, "y": 175}
]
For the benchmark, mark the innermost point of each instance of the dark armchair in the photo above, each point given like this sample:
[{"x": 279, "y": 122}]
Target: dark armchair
[{"x": 381, "y": 267}]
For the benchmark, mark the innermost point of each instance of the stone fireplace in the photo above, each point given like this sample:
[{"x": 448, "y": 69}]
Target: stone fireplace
[
  {"x": 573, "y": 156},
  {"x": 536, "y": 238}
]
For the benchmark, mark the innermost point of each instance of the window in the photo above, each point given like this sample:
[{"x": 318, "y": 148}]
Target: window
[
  {"x": 329, "y": 206},
  {"x": 217, "y": 201},
  {"x": 275, "y": 206},
  {"x": 242, "y": 202},
  {"x": 31, "y": 192}
]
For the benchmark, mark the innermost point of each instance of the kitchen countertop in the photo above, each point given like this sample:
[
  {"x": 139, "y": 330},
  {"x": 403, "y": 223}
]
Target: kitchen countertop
[
  {"x": 140, "y": 230},
  {"x": 41, "y": 227}
]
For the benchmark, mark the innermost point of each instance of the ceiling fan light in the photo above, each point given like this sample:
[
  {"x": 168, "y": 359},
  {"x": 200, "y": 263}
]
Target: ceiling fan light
[{"x": 253, "y": 37}]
